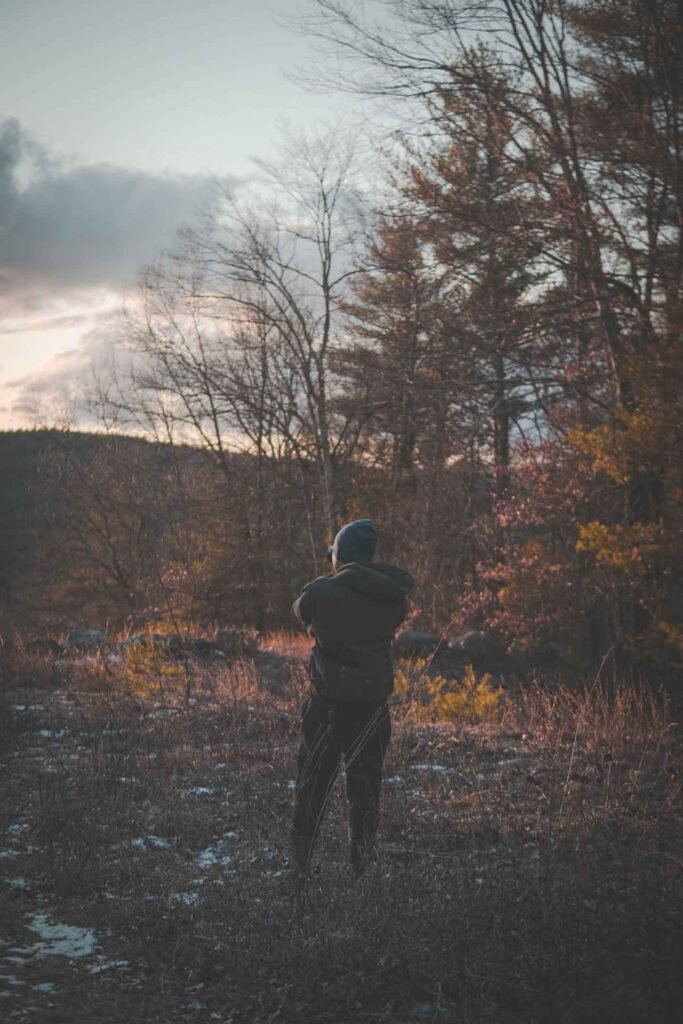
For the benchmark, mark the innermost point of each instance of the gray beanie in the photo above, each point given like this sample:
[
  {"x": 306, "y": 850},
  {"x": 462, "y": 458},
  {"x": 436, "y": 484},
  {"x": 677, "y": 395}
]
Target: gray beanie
[{"x": 355, "y": 542}]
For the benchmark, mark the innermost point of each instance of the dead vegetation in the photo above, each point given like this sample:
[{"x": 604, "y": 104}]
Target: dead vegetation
[{"x": 529, "y": 868}]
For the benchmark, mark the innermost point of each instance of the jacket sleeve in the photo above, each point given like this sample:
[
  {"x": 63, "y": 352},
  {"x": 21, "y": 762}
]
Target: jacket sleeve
[{"x": 303, "y": 606}]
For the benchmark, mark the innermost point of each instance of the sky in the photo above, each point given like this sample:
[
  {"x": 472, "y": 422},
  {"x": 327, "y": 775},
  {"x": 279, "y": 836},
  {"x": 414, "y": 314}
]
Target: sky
[{"x": 115, "y": 120}]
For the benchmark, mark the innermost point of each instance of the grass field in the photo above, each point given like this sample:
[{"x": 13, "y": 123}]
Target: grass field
[{"x": 529, "y": 866}]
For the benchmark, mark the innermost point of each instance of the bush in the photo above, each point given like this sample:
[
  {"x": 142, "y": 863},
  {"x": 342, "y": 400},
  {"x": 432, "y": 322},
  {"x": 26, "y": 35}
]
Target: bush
[{"x": 438, "y": 698}]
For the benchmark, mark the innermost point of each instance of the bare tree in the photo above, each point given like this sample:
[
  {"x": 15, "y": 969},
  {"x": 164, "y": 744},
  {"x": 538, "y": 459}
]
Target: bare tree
[{"x": 241, "y": 323}]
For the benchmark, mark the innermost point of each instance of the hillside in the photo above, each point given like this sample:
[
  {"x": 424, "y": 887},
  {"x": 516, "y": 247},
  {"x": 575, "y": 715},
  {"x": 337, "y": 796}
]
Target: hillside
[{"x": 29, "y": 488}]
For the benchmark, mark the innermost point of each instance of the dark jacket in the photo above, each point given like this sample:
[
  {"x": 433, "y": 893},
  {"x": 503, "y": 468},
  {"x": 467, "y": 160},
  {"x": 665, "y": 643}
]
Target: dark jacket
[{"x": 353, "y": 614}]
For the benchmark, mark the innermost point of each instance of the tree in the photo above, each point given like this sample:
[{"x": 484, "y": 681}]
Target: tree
[
  {"x": 591, "y": 94},
  {"x": 240, "y": 324}
]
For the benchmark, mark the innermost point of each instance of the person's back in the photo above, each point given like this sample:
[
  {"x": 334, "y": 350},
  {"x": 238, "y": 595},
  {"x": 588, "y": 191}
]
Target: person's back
[{"x": 353, "y": 614}]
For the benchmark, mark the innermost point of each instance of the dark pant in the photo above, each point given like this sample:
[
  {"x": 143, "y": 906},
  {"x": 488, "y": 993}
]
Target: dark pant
[{"x": 358, "y": 733}]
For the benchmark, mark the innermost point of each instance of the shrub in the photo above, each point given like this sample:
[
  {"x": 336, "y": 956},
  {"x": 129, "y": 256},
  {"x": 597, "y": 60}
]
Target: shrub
[{"x": 439, "y": 698}]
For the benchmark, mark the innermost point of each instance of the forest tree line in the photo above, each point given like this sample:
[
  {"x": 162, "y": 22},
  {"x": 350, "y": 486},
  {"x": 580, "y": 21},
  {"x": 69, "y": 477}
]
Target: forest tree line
[{"x": 486, "y": 359}]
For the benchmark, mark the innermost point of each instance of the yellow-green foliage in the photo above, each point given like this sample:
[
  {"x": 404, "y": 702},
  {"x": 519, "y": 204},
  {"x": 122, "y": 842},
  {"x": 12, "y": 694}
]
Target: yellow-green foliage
[
  {"x": 149, "y": 672},
  {"x": 621, "y": 547},
  {"x": 624, "y": 445},
  {"x": 436, "y": 698}
]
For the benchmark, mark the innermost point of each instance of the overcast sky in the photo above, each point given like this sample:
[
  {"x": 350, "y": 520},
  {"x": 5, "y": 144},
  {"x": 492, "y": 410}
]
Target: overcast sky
[{"x": 114, "y": 118}]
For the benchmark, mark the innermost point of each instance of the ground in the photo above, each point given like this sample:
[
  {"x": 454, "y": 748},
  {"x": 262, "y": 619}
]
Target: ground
[{"x": 529, "y": 867}]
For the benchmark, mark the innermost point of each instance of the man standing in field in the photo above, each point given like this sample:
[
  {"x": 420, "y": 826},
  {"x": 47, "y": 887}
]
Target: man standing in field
[{"x": 352, "y": 614}]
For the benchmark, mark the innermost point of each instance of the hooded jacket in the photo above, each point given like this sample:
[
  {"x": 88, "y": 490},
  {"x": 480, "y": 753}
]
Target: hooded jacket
[{"x": 353, "y": 614}]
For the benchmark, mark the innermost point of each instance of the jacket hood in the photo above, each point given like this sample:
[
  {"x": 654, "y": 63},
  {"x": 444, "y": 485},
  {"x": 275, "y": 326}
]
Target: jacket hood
[{"x": 386, "y": 582}]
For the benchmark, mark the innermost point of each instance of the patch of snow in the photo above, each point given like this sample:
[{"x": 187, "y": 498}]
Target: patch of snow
[
  {"x": 109, "y": 965},
  {"x": 217, "y": 854},
  {"x": 44, "y": 986},
  {"x": 144, "y": 842},
  {"x": 13, "y": 830},
  {"x": 203, "y": 791},
  {"x": 16, "y": 883},
  {"x": 291, "y": 784},
  {"x": 392, "y": 780},
  {"x": 59, "y": 939},
  {"x": 11, "y": 980},
  {"x": 128, "y": 780},
  {"x": 158, "y": 842},
  {"x": 51, "y": 734},
  {"x": 196, "y": 1005},
  {"x": 429, "y": 768},
  {"x": 210, "y": 857},
  {"x": 511, "y": 760},
  {"x": 5, "y": 854},
  {"x": 190, "y": 899}
]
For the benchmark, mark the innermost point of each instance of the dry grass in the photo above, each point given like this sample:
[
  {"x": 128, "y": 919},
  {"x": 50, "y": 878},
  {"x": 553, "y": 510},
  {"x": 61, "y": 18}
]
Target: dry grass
[{"x": 529, "y": 868}]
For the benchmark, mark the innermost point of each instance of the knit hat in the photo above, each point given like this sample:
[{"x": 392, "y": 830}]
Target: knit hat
[{"x": 355, "y": 542}]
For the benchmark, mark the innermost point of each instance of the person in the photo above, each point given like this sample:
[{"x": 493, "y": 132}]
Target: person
[{"x": 352, "y": 614}]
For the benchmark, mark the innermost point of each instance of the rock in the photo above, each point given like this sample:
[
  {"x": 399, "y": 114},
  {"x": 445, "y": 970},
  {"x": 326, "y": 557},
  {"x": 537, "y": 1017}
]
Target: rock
[
  {"x": 410, "y": 642},
  {"x": 547, "y": 655},
  {"x": 517, "y": 661},
  {"x": 85, "y": 638},
  {"x": 170, "y": 643},
  {"x": 133, "y": 641},
  {"x": 236, "y": 643},
  {"x": 476, "y": 648},
  {"x": 227, "y": 644},
  {"x": 202, "y": 648}
]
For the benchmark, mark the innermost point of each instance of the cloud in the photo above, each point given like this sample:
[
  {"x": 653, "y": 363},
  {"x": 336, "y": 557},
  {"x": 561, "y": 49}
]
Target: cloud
[
  {"x": 68, "y": 385},
  {"x": 50, "y": 324},
  {"x": 66, "y": 227}
]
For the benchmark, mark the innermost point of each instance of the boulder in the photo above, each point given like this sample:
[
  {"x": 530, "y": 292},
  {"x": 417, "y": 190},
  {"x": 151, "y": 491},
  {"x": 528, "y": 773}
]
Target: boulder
[
  {"x": 546, "y": 656},
  {"x": 236, "y": 643},
  {"x": 412, "y": 643},
  {"x": 138, "y": 640},
  {"x": 476, "y": 648},
  {"x": 85, "y": 638},
  {"x": 517, "y": 661},
  {"x": 201, "y": 647}
]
